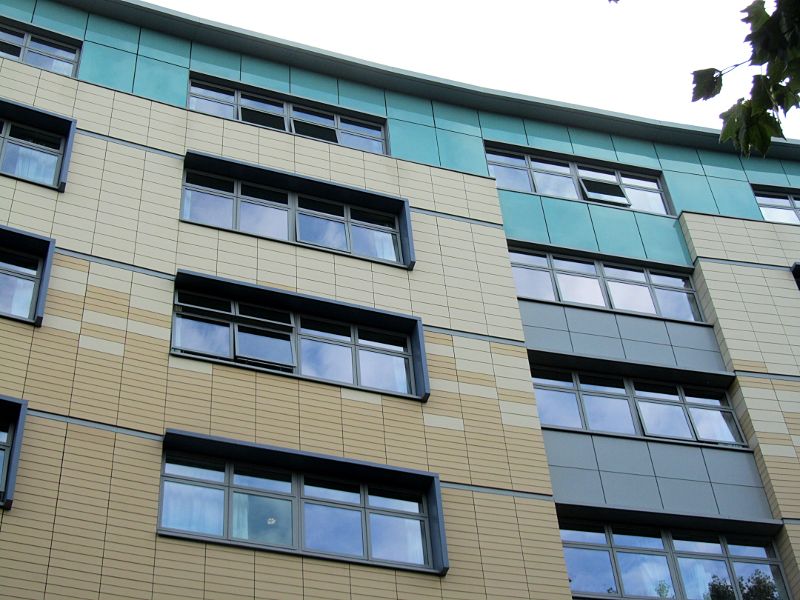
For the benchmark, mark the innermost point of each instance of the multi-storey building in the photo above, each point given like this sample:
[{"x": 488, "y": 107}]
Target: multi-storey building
[{"x": 281, "y": 324}]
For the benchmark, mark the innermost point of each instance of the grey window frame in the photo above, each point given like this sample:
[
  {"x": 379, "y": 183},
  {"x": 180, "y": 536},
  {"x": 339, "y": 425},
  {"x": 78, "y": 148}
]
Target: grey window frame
[
  {"x": 581, "y": 193},
  {"x": 762, "y": 198},
  {"x": 5, "y": 136},
  {"x": 6, "y": 446},
  {"x": 633, "y": 406},
  {"x": 13, "y": 411},
  {"x": 25, "y": 49},
  {"x": 671, "y": 554},
  {"x": 288, "y": 114},
  {"x": 603, "y": 280},
  {"x": 40, "y": 248}
]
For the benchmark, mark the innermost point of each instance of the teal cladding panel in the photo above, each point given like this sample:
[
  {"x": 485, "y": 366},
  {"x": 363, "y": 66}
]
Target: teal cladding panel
[
  {"x": 265, "y": 74},
  {"x": 592, "y": 144},
  {"x": 409, "y": 108},
  {"x": 547, "y": 136},
  {"x": 110, "y": 32},
  {"x": 214, "y": 61},
  {"x": 58, "y": 17},
  {"x": 569, "y": 224},
  {"x": 106, "y": 66},
  {"x": 717, "y": 164},
  {"x": 501, "y": 128},
  {"x": 411, "y": 141},
  {"x": 735, "y": 198},
  {"x": 678, "y": 158},
  {"x": 19, "y": 10},
  {"x": 362, "y": 97},
  {"x": 663, "y": 239},
  {"x": 456, "y": 118},
  {"x": 314, "y": 86},
  {"x": 616, "y": 231},
  {"x": 166, "y": 48},
  {"x": 523, "y": 218},
  {"x": 161, "y": 81},
  {"x": 461, "y": 152},
  {"x": 638, "y": 153},
  {"x": 764, "y": 171},
  {"x": 690, "y": 192},
  {"x": 792, "y": 170}
]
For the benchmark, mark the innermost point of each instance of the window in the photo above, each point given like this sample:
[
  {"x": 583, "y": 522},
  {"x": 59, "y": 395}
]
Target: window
[
  {"x": 292, "y": 334},
  {"x": 278, "y": 114},
  {"x": 567, "y": 179},
  {"x": 295, "y": 502},
  {"x": 540, "y": 276},
  {"x": 38, "y": 51},
  {"x": 779, "y": 208},
  {"x": 626, "y": 562},
  {"x": 24, "y": 271},
  {"x": 610, "y": 404},
  {"x": 12, "y": 419}
]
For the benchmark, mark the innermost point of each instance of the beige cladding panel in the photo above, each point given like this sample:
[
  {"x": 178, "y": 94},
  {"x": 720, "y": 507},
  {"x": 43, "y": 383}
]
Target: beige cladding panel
[{"x": 85, "y": 514}]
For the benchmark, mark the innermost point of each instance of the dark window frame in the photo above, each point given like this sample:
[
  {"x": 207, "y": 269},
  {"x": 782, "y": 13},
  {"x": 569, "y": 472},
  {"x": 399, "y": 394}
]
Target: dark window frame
[
  {"x": 46, "y": 38},
  {"x": 40, "y": 248},
  {"x": 13, "y": 411}
]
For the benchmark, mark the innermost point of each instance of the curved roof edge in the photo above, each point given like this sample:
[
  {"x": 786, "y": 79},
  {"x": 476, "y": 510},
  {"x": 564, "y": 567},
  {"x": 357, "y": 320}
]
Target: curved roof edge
[{"x": 399, "y": 80}]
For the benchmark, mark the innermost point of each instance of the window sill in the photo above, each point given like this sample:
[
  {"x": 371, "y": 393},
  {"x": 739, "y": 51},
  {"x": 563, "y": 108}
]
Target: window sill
[
  {"x": 647, "y": 438},
  {"x": 49, "y": 186}
]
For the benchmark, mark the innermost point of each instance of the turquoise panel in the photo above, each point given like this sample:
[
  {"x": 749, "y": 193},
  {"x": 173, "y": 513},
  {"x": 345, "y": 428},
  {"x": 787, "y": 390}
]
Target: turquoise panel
[
  {"x": 461, "y": 152},
  {"x": 456, "y": 118},
  {"x": 523, "y": 218},
  {"x": 58, "y": 17},
  {"x": 214, "y": 61},
  {"x": 792, "y": 170},
  {"x": 678, "y": 158},
  {"x": 161, "y": 81},
  {"x": 547, "y": 136},
  {"x": 362, "y": 97},
  {"x": 164, "y": 47},
  {"x": 19, "y": 10},
  {"x": 719, "y": 164},
  {"x": 616, "y": 231},
  {"x": 106, "y": 66},
  {"x": 735, "y": 198},
  {"x": 592, "y": 144},
  {"x": 569, "y": 224},
  {"x": 314, "y": 85},
  {"x": 265, "y": 74},
  {"x": 112, "y": 33},
  {"x": 409, "y": 108},
  {"x": 501, "y": 128},
  {"x": 638, "y": 153},
  {"x": 663, "y": 239},
  {"x": 764, "y": 171},
  {"x": 412, "y": 141},
  {"x": 690, "y": 192}
]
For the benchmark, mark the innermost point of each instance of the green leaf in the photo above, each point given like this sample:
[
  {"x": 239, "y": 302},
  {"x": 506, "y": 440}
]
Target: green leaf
[
  {"x": 707, "y": 84},
  {"x": 756, "y": 15}
]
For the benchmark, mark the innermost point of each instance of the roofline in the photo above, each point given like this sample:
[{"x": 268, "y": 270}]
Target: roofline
[{"x": 264, "y": 46}]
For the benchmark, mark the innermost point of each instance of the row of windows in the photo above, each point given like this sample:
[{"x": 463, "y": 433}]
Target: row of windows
[{"x": 38, "y": 51}]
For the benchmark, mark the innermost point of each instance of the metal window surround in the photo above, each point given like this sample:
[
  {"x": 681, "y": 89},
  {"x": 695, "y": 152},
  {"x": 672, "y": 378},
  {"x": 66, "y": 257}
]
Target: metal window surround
[
  {"x": 49, "y": 123},
  {"x": 312, "y": 306},
  {"x": 14, "y": 410},
  {"x": 301, "y": 184},
  {"x": 325, "y": 466},
  {"x": 40, "y": 247},
  {"x": 49, "y": 45}
]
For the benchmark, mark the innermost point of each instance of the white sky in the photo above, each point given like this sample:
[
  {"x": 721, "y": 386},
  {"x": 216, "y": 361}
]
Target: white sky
[{"x": 634, "y": 57}]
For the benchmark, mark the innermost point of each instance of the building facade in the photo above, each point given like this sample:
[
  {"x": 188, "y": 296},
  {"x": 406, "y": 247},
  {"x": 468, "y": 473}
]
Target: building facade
[{"x": 282, "y": 324}]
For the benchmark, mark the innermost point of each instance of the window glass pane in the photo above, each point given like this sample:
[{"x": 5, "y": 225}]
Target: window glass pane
[
  {"x": 677, "y": 305},
  {"x": 360, "y": 127},
  {"x": 11, "y": 50},
  {"x": 637, "y": 538},
  {"x": 557, "y": 378},
  {"x": 705, "y": 579},
  {"x": 20, "y": 263},
  {"x": 33, "y": 136},
  {"x": 605, "y": 192},
  {"x": 620, "y": 273},
  {"x": 328, "y": 208},
  {"x": 329, "y": 490},
  {"x": 396, "y": 539},
  {"x": 511, "y": 179},
  {"x": 646, "y": 182},
  {"x": 210, "y": 107},
  {"x": 315, "y": 131},
  {"x": 553, "y": 167},
  {"x": 671, "y": 280},
  {"x": 597, "y": 383},
  {"x": 261, "y": 480},
  {"x": 5, "y": 427},
  {"x": 656, "y": 390},
  {"x": 334, "y": 331},
  {"x": 583, "y": 290},
  {"x": 608, "y": 414},
  {"x": 359, "y": 142},
  {"x": 322, "y": 232},
  {"x": 694, "y": 542},
  {"x": 599, "y": 174},
  {"x": 16, "y": 296},
  {"x": 705, "y": 397},
  {"x": 558, "y": 408},
  {"x": 11, "y": 36},
  {"x": 256, "y": 191},
  {"x": 511, "y": 159},
  {"x": 776, "y": 200},
  {"x": 265, "y": 346},
  {"x": 590, "y": 571},
  {"x": 262, "y": 520},
  {"x": 204, "y": 301},
  {"x": 208, "y": 209},
  {"x": 646, "y": 200},
  {"x": 548, "y": 184},
  {"x": 587, "y": 534},
  {"x": 29, "y": 163},
  {"x": 207, "y": 337},
  {"x": 211, "y": 92},
  {"x": 575, "y": 266},
  {"x": 754, "y": 548},
  {"x": 272, "y": 106},
  {"x": 326, "y": 361},
  {"x": 383, "y": 371},
  {"x": 394, "y": 500},
  {"x": 264, "y": 119},
  {"x": 627, "y": 296},
  {"x": 645, "y": 575},
  {"x": 534, "y": 284},
  {"x": 193, "y": 508},
  {"x": 664, "y": 419},
  {"x": 209, "y": 181},
  {"x": 371, "y": 242},
  {"x": 760, "y": 581},
  {"x": 779, "y": 215},
  {"x": 377, "y": 339},
  {"x": 49, "y": 63},
  {"x": 198, "y": 469},
  {"x": 523, "y": 258},
  {"x": 266, "y": 221},
  {"x": 380, "y": 219},
  {"x": 332, "y": 529},
  {"x": 312, "y": 116},
  {"x": 714, "y": 425}
]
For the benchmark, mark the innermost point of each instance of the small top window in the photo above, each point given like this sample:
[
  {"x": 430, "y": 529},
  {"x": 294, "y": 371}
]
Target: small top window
[
  {"x": 779, "y": 208},
  {"x": 38, "y": 51}
]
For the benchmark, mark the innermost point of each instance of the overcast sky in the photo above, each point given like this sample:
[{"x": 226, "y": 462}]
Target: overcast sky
[{"x": 635, "y": 56}]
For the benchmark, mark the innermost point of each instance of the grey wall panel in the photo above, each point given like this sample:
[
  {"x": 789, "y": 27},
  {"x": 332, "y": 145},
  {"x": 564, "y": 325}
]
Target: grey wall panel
[
  {"x": 631, "y": 491},
  {"x": 570, "y": 449},
  {"x": 737, "y": 468},
  {"x": 682, "y": 496},
  {"x": 595, "y": 322},
  {"x": 658, "y": 354},
  {"x": 643, "y": 330},
  {"x": 597, "y": 345},
  {"x": 741, "y": 501},
  {"x": 577, "y": 486},
  {"x": 699, "y": 360},
  {"x": 691, "y": 336},
  {"x": 678, "y": 461},
  {"x": 622, "y": 456},
  {"x": 541, "y": 314},
  {"x": 550, "y": 340}
]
